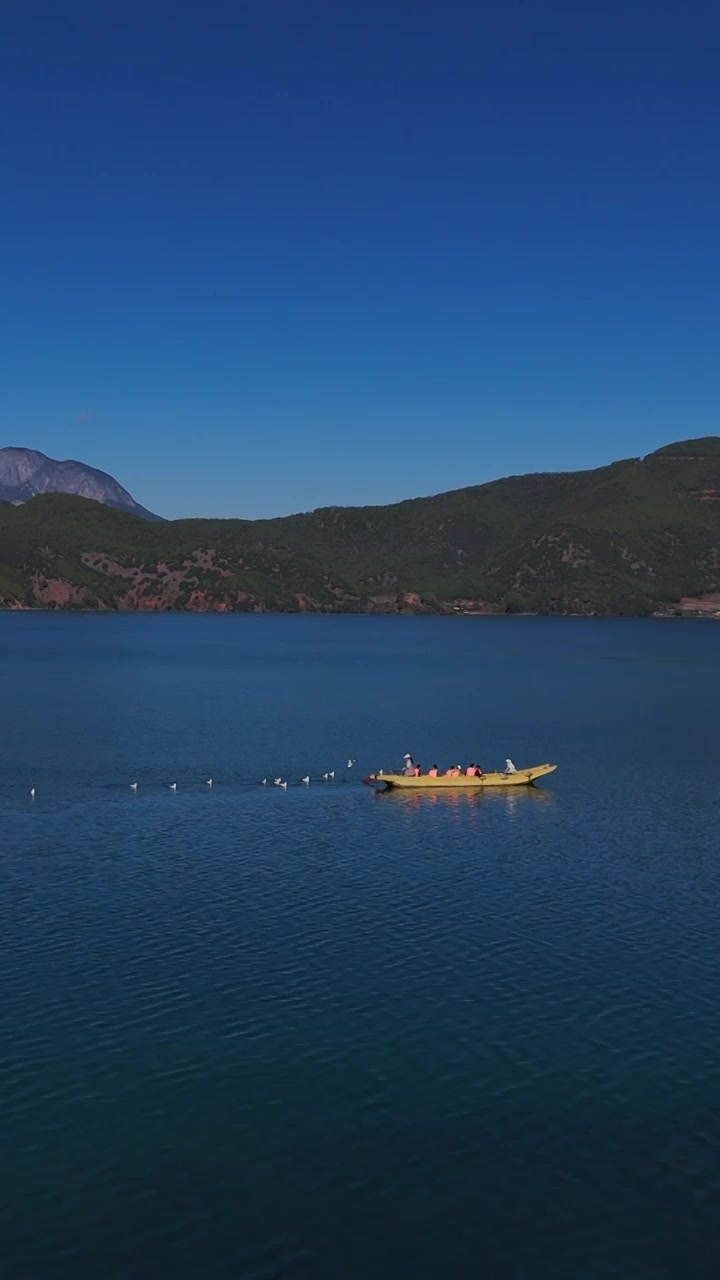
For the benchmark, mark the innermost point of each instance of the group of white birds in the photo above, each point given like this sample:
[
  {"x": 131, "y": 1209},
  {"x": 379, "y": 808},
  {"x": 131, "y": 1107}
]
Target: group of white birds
[
  {"x": 278, "y": 782},
  {"x": 283, "y": 782}
]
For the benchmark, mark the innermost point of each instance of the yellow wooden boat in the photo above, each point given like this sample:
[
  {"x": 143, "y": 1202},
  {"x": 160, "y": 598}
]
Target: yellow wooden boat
[{"x": 522, "y": 778}]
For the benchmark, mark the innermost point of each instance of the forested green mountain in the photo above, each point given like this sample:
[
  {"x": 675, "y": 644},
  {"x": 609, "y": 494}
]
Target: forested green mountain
[{"x": 634, "y": 537}]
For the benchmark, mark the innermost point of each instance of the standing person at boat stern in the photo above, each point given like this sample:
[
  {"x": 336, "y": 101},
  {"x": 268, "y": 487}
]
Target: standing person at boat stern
[{"x": 408, "y": 769}]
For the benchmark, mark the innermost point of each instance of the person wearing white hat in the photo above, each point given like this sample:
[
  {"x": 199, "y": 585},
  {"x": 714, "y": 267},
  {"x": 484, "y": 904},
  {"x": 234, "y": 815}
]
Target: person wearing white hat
[
  {"x": 510, "y": 767},
  {"x": 408, "y": 766}
]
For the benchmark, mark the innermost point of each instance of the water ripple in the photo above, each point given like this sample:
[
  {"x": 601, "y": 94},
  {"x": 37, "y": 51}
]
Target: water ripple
[{"x": 324, "y": 1033}]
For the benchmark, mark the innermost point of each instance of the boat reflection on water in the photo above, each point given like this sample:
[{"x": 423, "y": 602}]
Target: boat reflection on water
[{"x": 509, "y": 799}]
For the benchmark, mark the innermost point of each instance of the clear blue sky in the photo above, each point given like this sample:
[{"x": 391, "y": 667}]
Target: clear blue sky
[{"x": 269, "y": 255}]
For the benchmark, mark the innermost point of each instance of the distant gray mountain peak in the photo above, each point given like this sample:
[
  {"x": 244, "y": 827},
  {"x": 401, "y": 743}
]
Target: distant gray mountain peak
[{"x": 24, "y": 473}]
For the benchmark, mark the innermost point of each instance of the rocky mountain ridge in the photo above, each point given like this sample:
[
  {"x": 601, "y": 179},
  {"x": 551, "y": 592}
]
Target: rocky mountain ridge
[{"x": 25, "y": 473}]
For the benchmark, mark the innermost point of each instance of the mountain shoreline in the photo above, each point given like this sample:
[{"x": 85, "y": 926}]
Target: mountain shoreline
[
  {"x": 677, "y": 615},
  {"x": 708, "y": 610},
  {"x": 639, "y": 537}
]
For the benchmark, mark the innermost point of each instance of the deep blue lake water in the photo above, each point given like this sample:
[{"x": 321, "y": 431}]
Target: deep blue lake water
[{"x": 323, "y": 1033}]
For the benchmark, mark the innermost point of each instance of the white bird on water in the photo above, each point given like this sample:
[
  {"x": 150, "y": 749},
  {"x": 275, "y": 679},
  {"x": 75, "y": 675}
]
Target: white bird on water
[
  {"x": 133, "y": 786},
  {"x": 278, "y": 782},
  {"x": 32, "y": 793},
  {"x": 264, "y": 782},
  {"x": 173, "y": 786},
  {"x": 306, "y": 779},
  {"x": 351, "y": 763},
  {"x": 209, "y": 782},
  {"x": 283, "y": 785}
]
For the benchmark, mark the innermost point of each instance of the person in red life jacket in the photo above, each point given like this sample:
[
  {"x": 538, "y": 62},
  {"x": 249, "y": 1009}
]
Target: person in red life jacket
[{"x": 418, "y": 770}]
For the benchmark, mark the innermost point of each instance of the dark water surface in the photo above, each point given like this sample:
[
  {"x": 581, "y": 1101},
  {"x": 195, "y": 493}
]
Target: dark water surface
[{"x": 324, "y": 1033}]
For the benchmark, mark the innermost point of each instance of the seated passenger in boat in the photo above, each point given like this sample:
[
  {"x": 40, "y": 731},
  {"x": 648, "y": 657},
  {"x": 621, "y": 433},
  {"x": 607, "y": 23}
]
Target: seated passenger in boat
[
  {"x": 418, "y": 770},
  {"x": 471, "y": 771},
  {"x": 433, "y": 773},
  {"x": 453, "y": 772}
]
